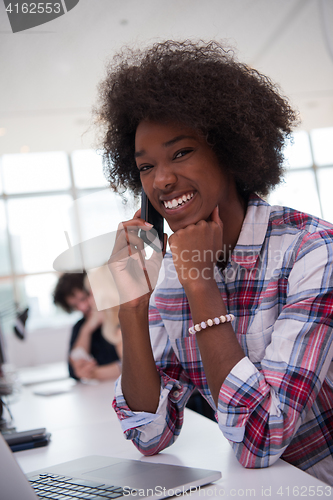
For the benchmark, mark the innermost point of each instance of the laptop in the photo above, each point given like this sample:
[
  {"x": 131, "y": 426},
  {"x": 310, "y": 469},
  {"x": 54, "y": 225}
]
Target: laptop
[{"x": 98, "y": 478}]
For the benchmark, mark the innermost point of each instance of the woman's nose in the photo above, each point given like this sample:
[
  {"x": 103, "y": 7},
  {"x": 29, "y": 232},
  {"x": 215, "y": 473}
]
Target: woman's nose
[{"x": 164, "y": 177}]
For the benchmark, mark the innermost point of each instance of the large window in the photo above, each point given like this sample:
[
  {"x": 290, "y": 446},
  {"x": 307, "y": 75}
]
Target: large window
[
  {"x": 38, "y": 219},
  {"x": 309, "y": 174},
  {"x": 48, "y": 201}
]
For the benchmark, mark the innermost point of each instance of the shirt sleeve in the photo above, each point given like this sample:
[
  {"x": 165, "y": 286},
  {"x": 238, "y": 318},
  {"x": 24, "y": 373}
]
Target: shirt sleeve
[
  {"x": 261, "y": 406},
  {"x": 150, "y": 432}
]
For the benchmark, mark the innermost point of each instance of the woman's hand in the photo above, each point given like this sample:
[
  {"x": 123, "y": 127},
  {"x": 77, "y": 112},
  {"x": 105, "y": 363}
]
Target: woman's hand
[
  {"x": 196, "y": 250},
  {"x": 135, "y": 275}
]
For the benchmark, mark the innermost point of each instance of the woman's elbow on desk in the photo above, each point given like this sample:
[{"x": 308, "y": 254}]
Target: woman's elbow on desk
[{"x": 256, "y": 459}]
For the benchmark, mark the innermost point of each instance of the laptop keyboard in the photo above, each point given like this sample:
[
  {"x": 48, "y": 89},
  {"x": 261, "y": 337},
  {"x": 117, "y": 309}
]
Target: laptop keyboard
[{"x": 57, "y": 487}]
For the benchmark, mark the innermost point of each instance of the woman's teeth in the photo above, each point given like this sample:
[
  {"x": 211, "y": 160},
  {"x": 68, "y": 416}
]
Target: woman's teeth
[{"x": 177, "y": 202}]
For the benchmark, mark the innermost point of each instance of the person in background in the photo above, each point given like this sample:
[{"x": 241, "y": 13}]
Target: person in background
[{"x": 95, "y": 344}]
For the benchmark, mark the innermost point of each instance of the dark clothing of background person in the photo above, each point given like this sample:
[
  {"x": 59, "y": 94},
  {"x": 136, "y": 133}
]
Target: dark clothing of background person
[{"x": 103, "y": 352}]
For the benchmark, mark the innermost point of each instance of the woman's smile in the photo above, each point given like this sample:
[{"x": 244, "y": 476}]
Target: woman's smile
[{"x": 178, "y": 202}]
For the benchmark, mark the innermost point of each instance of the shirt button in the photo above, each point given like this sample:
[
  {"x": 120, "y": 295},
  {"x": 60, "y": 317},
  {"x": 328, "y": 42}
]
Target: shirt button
[{"x": 176, "y": 394}]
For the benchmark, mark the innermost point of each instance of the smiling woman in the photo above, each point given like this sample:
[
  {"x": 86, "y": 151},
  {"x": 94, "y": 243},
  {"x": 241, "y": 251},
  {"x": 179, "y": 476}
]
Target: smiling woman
[{"x": 242, "y": 311}]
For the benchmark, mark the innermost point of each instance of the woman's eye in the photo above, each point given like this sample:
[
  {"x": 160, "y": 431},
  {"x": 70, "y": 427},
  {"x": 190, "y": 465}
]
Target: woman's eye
[
  {"x": 144, "y": 168},
  {"x": 182, "y": 153}
]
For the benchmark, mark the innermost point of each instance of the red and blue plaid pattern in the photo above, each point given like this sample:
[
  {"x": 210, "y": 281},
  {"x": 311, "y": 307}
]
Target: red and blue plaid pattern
[{"x": 278, "y": 400}]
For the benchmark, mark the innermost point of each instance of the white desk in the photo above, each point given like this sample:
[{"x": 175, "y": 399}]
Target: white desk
[{"x": 82, "y": 422}]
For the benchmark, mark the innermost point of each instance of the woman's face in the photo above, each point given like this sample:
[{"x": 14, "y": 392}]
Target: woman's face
[{"x": 181, "y": 175}]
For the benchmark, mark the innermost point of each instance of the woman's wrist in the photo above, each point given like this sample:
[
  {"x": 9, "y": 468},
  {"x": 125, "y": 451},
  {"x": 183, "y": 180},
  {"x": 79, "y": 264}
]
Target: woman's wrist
[
  {"x": 200, "y": 287},
  {"x": 137, "y": 311},
  {"x": 205, "y": 301},
  {"x": 133, "y": 315}
]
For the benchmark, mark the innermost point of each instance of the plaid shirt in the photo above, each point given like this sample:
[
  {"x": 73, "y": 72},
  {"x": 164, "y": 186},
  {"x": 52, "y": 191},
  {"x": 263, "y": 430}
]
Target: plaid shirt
[{"x": 278, "y": 400}]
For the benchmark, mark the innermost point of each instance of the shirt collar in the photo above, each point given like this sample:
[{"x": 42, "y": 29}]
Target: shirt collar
[{"x": 253, "y": 232}]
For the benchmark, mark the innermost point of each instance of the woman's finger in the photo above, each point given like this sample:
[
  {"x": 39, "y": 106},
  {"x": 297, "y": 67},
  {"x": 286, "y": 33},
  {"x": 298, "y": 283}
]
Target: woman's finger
[
  {"x": 137, "y": 214},
  {"x": 135, "y": 223},
  {"x": 128, "y": 234},
  {"x": 140, "y": 223},
  {"x": 215, "y": 217}
]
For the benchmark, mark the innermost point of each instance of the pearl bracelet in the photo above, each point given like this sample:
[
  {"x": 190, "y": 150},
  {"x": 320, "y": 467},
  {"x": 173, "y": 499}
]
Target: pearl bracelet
[{"x": 210, "y": 322}]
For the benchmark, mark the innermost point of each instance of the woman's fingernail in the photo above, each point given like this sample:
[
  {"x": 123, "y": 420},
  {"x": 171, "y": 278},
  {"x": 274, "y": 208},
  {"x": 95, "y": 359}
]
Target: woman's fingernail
[{"x": 149, "y": 225}]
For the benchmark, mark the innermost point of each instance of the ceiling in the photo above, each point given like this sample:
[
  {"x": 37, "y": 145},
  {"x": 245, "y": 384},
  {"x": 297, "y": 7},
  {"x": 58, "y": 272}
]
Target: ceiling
[{"x": 49, "y": 74}]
